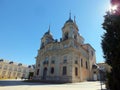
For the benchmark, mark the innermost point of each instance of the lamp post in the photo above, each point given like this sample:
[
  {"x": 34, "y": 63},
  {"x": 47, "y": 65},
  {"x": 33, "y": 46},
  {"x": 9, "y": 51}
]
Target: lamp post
[
  {"x": 102, "y": 75},
  {"x": 100, "y": 72}
]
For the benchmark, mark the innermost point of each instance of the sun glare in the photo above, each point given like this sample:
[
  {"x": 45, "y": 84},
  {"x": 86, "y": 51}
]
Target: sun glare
[{"x": 112, "y": 7}]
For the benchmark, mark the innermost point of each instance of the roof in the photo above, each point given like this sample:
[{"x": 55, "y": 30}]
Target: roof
[{"x": 69, "y": 20}]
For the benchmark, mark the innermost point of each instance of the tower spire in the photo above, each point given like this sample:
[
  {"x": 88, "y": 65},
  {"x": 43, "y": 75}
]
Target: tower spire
[
  {"x": 49, "y": 29},
  {"x": 74, "y": 19},
  {"x": 70, "y": 15}
]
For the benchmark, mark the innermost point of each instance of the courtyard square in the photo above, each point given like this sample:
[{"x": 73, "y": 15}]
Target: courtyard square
[{"x": 20, "y": 85}]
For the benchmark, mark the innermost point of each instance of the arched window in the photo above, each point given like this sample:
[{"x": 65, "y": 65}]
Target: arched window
[
  {"x": 76, "y": 71},
  {"x": 64, "y": 70},
  {"x": 52, "y": 70},
  {"x": 37, "y": 71}
]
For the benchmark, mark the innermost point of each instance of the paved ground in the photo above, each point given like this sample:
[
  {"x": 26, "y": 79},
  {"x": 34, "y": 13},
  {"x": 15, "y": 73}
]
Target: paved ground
[{"x": 19, "y": 85}]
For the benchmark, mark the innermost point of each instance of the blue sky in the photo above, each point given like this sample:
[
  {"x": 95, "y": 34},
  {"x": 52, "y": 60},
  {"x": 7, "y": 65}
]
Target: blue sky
[{"x": 23, "y": 23}]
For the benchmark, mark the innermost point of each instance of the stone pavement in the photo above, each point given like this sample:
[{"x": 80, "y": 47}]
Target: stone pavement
[{"x": 19, "y": 85}]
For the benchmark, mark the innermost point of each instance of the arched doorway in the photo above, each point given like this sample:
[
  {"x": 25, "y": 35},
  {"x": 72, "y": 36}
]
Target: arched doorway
[
  {"x": 45, "y": 73},
  {"x": 94, "y": 76}
]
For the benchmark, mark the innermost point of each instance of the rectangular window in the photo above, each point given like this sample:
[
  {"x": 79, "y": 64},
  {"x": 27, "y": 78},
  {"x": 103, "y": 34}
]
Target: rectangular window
[
  {"x": 37, "y": 71},
  {"x": 86, "y": 65},
  {"x": 15, "y": 69},
  {"x": 52, "y": 70},
  {"x": 65, "y": 59},
  {"x": 65, "y": 46},
  {"x": 10, "y": 68},
  {"x": 53, "y": 62},
  {"x": 24, "y": 71},
  {"x": 38, "y": 65},
  {"x": 81, "y": 62},
  {"x": 0, "y": 66},
  {"x": 92, "y": 53},
  {"x": 76, "y": 62},
  {"x": 19, "y": 69},
  {"x": 3, "y": 73},
  {"x": 46, "y": 59},
  {"x": 5, "y": 67},
  {"x": 76, "y": 71},
  {"x": 64, "y": 70},
  {"x": 14, "y": 74}
]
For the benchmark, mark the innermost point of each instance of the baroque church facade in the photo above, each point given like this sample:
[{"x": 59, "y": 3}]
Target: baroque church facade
[{"x": 67, "y": 60}]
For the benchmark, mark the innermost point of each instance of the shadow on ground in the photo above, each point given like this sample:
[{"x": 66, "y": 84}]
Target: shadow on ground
[{"x": 21, "y": 82}]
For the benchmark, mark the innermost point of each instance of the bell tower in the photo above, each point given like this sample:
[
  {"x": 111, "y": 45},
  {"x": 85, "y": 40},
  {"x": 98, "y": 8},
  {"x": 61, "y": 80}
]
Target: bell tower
[
  {"x": 70, "y": 30},
  {"x": 47, "y": 38}
]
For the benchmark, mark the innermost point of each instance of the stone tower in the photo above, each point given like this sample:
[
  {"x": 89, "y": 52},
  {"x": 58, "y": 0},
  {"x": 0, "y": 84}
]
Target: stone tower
[{"x": 70, "y": 30}]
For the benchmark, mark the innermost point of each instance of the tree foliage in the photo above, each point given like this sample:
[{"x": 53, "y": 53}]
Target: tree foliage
[{"x": 111, "y": 48}]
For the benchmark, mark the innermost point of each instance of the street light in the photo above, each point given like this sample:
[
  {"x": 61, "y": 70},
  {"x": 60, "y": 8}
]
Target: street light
[{"x": 101, "y": 73}]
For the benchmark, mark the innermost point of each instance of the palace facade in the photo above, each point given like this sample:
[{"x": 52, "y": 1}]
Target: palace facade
[
  {"x": 67, "y": 60},
  {"x": 13, "y": 70}
]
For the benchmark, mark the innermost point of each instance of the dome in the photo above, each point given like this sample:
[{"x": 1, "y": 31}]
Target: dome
[
  {"x": 70, "y": 20},
  {"x": 47, "y": 33}
]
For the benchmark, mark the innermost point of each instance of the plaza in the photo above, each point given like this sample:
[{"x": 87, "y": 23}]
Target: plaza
[{"x": 20, "y": 85}]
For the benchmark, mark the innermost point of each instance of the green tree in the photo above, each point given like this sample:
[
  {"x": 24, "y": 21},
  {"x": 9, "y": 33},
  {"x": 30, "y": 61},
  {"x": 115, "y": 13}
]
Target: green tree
[{"x": 111, "y": 48}]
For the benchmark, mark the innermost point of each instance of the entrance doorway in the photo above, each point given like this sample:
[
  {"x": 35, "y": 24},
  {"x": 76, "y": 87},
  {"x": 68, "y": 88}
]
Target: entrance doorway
[
  {"x": 94, "y": 76},
  {"x": 45, "y": 73}
]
